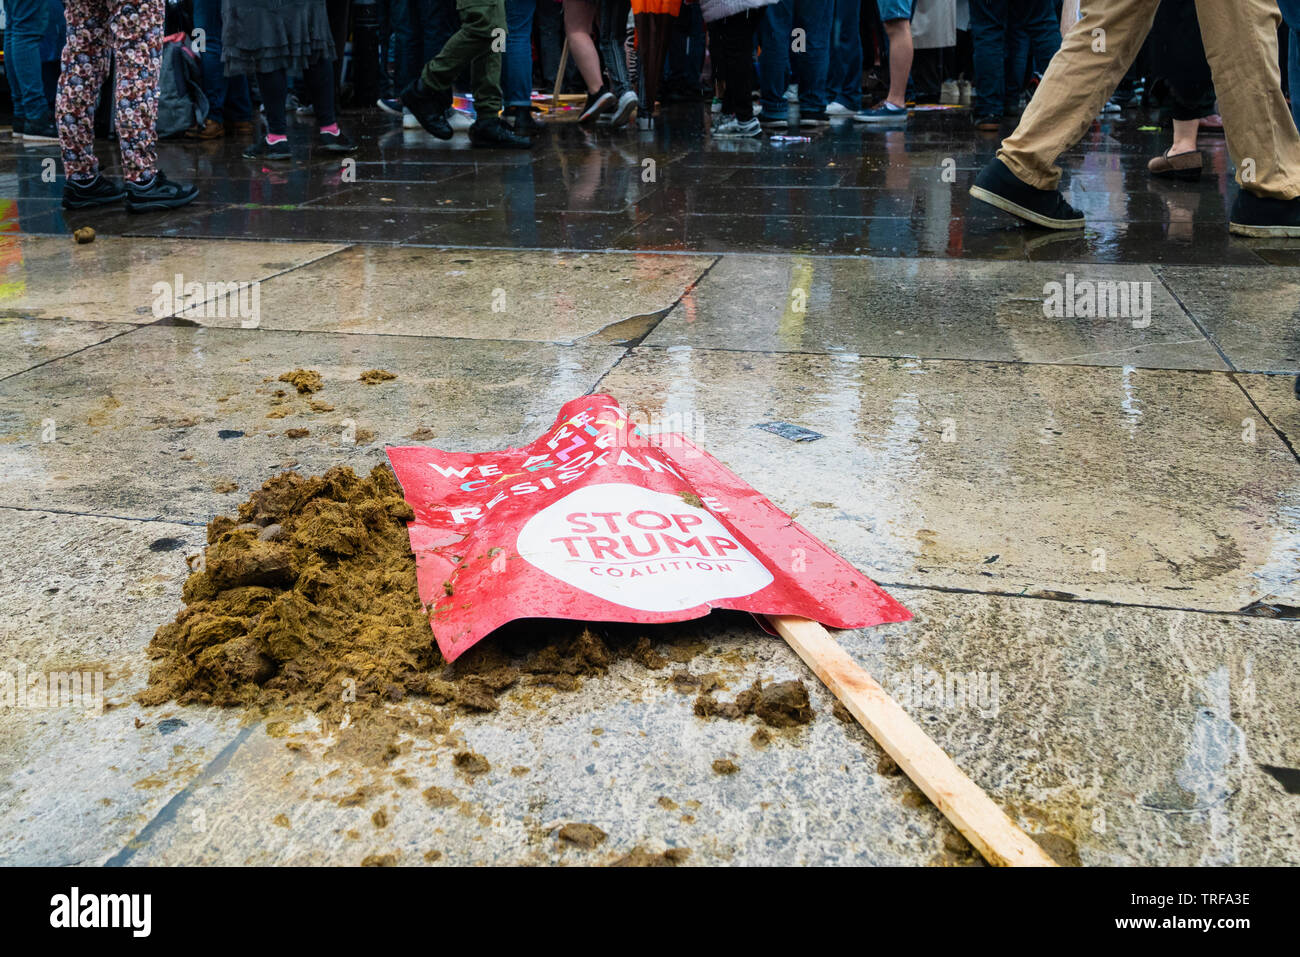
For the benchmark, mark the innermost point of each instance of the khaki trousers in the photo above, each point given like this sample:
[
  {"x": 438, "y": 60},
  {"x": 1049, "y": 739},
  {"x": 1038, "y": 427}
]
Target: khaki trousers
[{"x": 1240, "y": 43}]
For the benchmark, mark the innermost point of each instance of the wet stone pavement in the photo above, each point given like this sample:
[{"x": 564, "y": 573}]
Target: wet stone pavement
[{"x": 1094, "y": 519}]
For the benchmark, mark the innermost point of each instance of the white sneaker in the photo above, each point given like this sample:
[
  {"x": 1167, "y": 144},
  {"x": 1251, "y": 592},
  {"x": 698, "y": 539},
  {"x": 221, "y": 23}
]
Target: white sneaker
[
  {"x": 409, "y": 122},
  {"x": 459, "y": 119},
  {"x": 964, "y": 92},
  {"x": 721, "y": 120},
  {"x": 949, "y": 94},
  {"x": 622, "y": 112},
  {"x": 792, "y": 93},
  {"x": 735, "y": 128},
  {"x": 716, "y": 105},
  {"x": 835, "y": 108}
]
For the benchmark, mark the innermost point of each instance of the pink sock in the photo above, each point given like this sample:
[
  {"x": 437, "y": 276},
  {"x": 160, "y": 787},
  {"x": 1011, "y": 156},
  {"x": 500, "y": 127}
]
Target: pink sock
[
  {"x": 276, "y": 137},
  {"x": 332, "y": 129}
]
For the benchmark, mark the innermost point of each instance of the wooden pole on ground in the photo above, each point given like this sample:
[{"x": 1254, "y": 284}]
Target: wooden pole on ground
[
  {"x": 960, "y": 799},
  {"x": 559, "y": 76}
]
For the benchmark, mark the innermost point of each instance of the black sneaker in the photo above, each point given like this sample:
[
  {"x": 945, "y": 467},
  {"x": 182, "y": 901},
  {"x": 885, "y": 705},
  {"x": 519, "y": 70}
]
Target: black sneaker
[
  {"x": 521, "y": 120},
  {"x": 988, "y": 123},
  {"x": 814, "y": 118},
  {"x": 597, "y": 103},
  {"x": 100, "y": 191},
  {"x": 335, "y": 142},
  {"x": 489, "y": 131},
  {"x": 18, "y": 127},
  {"x": 268, "y": 151},
  {"x": 40, "y": 131},
  {"x": 159, "y": 193},
  {"x": 429, "y": 107},
  {"x": 998, "y": 186},
  {"x": 1264, "y": 216}
]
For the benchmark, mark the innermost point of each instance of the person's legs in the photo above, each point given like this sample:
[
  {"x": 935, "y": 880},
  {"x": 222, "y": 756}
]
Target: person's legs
[
  {"x": 517, "y": 66},
  {"x": 612, "y": 27},
  {"x": 1079, "y": 80},
  {"x": 1042, "y": 29},
  {"x": 774, "y": 31},
  {"x": 25, "y": 28},
  {"x": 85, "y": 64},
  {"x": 484, "y": 21},
  {"x": 900, "y": 59},
  {"x": 1290, "y": 10},
  {"x": 319, "y": 81},
  {"x": 274, "y": 87},
  {"x": 844, "y": 73},
  {"x": 988, "y": 27},
  {"x": 815, "y": 17},
  {"x": 1241, "y": 45},
  {"x": 578, "y": 17},
  {"x": 472, "y": 39}
]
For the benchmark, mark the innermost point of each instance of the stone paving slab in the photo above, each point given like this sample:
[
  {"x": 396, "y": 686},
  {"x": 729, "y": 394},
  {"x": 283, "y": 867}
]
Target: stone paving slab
[
  {"x": 113, "y": 278},
  {"x": 1254, "y": 318},
  {"x": 950, "y": 309},
  {"x": 1111, "y": 484},
  {"x": 182, "y": 422}
]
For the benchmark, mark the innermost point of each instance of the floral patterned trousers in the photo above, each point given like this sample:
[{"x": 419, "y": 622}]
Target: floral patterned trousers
[{"x": 130, "y": 30}]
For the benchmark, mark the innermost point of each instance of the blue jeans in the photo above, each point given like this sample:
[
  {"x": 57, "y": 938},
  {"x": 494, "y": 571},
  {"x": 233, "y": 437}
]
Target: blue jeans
[
  {"x": 421, "y": 28},
  {"x": 989, "y": 19},
  {"x": 1291, "y": 14},
  {"x": 217, "y": 87},
  {"x": 517, "y": 63},
  {"x": 24, "y": 29},
  {"x": 775, "y": 32},
  {"x": 844, "y": 76}
]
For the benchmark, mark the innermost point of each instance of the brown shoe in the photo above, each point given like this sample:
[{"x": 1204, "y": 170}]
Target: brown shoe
[
  {"x": 210, "y": 130},
  {"x": 1184, "y": 166},
  {"x": 241, "y": 128}
]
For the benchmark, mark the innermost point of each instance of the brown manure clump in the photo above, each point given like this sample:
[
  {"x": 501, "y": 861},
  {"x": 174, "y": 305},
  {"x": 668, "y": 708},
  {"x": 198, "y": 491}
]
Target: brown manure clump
[{"x": 306, "y": 600}]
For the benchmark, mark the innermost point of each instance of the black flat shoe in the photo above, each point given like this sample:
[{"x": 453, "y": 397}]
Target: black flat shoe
[
  {"x": 429, "y": 107},
  {"x": 268, "y": 151},
  {"x": 335, "y": 142},
  {"x": 1263, "y": 216},
  {"x": 520, "y": 119},
  {"x": 100, "y": 191},
  {"x": 160, "y": 193},
  {"x": 999, "y": 187}
]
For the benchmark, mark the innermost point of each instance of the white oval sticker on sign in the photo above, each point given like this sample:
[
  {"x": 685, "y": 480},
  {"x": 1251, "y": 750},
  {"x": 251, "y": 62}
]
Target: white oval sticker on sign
[{"x": 640, "y": 548}]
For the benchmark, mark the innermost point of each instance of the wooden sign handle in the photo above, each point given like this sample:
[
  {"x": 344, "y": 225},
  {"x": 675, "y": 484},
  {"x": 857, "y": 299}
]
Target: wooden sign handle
[{"x": 960, "y": 799}]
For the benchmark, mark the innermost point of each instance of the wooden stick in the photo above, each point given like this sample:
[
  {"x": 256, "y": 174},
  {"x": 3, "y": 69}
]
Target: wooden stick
[
  {"x": 960, "y": 799},
  {"x": 559, "y": 76}
]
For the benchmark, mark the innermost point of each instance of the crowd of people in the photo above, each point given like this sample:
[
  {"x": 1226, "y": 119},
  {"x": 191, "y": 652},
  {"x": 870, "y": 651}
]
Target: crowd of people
[{"x": 241, "y": 67}]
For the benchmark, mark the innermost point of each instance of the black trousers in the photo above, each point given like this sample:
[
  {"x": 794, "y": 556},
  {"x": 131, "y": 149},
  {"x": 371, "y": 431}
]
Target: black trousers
[
  {"x": 731, "y": 41},
  {"x": 1178, "y": 58}
]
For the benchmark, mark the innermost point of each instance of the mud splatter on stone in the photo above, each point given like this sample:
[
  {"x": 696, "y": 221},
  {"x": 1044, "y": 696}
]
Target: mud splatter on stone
[
  {"x": 471, "y": 763},
  {"x": 784, "y": 705},
  {"x": 888, "y": 767},
  {"x": 640, "y": 857},
  {"x": 725, "y": 766},
  {"x": 440, "y": 797},
  {"x": 582, "y": 834},
  {"x": 375, "y": 376},
  {"x": 842, "y": 713},
  {"x": 297, "y": 433},
  {"x": 380, "y": 860},
  {"x": 304, "y": 380}
]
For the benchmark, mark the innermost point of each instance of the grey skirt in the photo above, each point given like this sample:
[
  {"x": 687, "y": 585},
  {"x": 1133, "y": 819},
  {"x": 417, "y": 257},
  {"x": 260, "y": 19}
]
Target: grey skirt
[{"x": 261, "y": 36}]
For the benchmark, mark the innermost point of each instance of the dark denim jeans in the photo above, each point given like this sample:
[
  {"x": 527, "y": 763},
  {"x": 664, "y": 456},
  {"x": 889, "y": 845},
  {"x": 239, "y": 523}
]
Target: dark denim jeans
[
  {"x": 988, "y": 26},
  {"x": 217, "y": 87},
  {"x": 421, "y": 28},
  {"x": 24, "y": 29},
  {"x": 517, "y": 63},
  {"x": 775, "y": 34},
  {"x": 1291, "y": 14},
  {"x": 844, "y": 75}
]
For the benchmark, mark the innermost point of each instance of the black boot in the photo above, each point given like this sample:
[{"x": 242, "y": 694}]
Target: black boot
[
  {"x": 429, "y": 107},
  {"x": 489, "y": 131}
]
